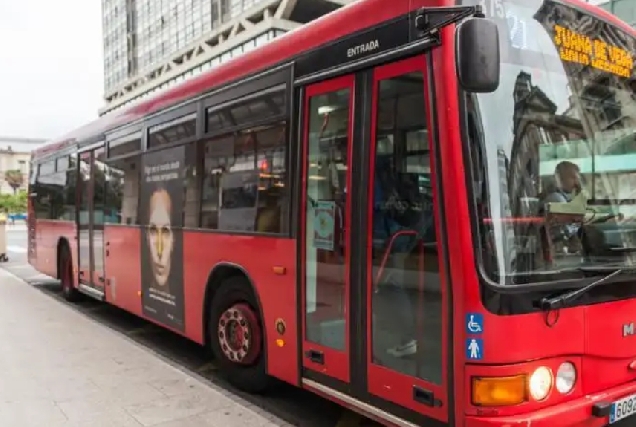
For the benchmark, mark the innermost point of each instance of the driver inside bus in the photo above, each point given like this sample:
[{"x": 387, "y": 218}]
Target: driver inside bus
[
  {"x": 566, "y": 185},
  {"x": 567, "y": 177}
]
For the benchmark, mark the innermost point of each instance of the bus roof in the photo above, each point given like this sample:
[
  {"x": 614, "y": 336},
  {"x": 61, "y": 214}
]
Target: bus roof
[{"x": 348, "y": 19}]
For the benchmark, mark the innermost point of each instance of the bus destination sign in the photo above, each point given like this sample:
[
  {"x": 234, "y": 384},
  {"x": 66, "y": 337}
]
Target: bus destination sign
[{"x": 579, "y": 48}]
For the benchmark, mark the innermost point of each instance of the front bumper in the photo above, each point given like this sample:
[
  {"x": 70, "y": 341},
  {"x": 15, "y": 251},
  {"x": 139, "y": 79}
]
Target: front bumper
[{"x": 575, "y": 413}]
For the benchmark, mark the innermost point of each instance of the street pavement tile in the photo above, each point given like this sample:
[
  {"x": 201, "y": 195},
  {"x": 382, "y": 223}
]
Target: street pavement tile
[
  {"x": 30, "y": 413},
  {"x": 176, "y": 407},
  {"x": 178, "y": 386},
  {"x": 61, "y": 369}
]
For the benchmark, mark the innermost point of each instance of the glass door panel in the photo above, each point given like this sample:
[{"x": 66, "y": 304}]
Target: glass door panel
[
  {"x": 326, "y": 216},
  {"x": 90, "y": 218},
  {"x": 83, "y": 217},
  {"x": 405, "y": 320},
  {"x": 99, "y": 172}
]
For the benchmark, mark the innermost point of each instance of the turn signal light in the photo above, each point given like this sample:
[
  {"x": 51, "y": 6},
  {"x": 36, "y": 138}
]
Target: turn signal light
[{"x": 499, "y": 391}]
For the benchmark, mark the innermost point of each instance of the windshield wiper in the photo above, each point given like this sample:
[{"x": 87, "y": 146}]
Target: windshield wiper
[{"x": 566, "y": 298}]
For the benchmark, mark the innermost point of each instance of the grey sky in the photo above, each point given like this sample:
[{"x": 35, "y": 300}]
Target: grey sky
[{"x": 50, "y": 66}]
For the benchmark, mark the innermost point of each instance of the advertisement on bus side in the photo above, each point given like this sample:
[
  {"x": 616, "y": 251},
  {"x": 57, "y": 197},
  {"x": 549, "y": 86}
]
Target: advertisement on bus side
[{"x": 162, "y": 239}]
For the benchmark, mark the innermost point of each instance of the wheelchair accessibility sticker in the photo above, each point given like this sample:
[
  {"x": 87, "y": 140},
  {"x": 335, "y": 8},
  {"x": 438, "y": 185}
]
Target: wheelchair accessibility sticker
[{"x": 474, "y": 323}]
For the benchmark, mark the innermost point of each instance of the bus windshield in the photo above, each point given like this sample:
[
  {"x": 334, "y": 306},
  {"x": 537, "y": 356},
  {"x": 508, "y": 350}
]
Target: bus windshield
[{"x": 554, "y": 148}]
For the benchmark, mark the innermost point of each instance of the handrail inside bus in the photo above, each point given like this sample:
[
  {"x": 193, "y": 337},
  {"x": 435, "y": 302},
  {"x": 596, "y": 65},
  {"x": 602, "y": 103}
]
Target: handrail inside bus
[{"x": 387, "y": 252}]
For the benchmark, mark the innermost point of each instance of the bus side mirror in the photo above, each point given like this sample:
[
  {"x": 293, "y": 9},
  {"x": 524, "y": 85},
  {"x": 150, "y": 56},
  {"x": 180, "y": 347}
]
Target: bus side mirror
[{"x": 477, "y": 55}]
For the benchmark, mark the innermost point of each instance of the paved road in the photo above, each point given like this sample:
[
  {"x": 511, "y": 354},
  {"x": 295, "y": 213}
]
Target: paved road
[{"x": 295, "y": 406}]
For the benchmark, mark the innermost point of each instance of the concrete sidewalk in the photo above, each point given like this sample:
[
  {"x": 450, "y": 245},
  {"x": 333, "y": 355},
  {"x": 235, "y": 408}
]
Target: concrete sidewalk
[{"x": 60, "y": 369}]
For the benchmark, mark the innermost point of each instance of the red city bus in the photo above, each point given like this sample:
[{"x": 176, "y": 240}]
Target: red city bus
[{"x": 361, "y": 208}]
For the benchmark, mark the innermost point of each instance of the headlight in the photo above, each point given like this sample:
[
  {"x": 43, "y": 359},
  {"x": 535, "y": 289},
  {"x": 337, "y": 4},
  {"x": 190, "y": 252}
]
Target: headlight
[
  {"x": 565, "y": 378},
  {"x": 540, "y": 383}
]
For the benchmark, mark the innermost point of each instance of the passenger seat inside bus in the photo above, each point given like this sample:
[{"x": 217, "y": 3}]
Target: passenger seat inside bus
[{"x": 268, "y": 217}]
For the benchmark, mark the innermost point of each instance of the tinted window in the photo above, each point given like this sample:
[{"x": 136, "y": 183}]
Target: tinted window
[
  {"x": 193, "y": 165},
  {"x": 124, "y": 145},
  {"x": 70, "y": 192},
  {"x": 54, "y": 195},
  {"x": 168, "y": 133},
  {"x": 63, "y": 163},
  {"x": 265, "y": 106},
  {"x": 122, "y": 191},
  {"x": 47, "y": 167},
  {"x": 244, "y": 181}
]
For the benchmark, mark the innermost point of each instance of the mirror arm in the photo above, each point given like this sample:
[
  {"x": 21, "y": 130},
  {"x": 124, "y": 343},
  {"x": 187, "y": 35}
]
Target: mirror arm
[{"x": 458, "y": 13}]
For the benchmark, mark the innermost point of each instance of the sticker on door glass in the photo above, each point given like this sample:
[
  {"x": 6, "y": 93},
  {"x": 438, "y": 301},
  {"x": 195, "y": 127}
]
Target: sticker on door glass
[{"x": 324, "y": 225}]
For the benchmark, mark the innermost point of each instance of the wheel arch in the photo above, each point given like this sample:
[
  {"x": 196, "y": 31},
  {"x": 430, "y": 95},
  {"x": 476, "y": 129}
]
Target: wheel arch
[{"x": 219, "y": 273}]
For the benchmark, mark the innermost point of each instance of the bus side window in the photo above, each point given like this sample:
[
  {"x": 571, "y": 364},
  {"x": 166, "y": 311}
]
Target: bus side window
[
  {"x": 260, "y": 155},
  {"x": 122, "y": 191},
  {"x": 194, "y": 166},
  {"x": 271, "y": 158},
  {"x": 216, "y": 152},
  {"x": 122, "y": 188},
  {"x": 51, "y": 188}
]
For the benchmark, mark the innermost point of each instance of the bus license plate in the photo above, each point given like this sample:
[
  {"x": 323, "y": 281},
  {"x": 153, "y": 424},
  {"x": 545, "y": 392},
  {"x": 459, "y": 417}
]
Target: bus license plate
[{"x": 623, "y": 408}]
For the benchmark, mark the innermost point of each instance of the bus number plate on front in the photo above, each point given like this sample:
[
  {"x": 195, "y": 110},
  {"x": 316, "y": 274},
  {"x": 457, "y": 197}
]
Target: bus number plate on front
[{"x": 623, "y": 408}]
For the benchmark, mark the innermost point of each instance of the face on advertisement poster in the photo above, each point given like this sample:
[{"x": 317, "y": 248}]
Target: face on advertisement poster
[
  {"x": 160, "y": 238},
  {"x": 162, "y": 245}
]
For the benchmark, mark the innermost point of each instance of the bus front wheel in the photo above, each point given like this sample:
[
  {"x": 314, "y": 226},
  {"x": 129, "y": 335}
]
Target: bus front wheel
[
  {"x": 236, "y": 336},
  {"x": 65, "y": 275}
]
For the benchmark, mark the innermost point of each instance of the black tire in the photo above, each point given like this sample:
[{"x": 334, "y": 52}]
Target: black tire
[
  {"x": 65, "y": 275},
  {"x": 251, "y": 378}
]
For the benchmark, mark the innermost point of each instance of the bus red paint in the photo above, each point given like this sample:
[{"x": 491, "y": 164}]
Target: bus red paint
[{"x": 338, "y": 211}]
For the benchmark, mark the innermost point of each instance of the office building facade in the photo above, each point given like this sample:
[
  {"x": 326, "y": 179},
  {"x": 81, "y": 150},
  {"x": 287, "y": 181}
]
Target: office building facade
[{"x": 151, "y": 45}]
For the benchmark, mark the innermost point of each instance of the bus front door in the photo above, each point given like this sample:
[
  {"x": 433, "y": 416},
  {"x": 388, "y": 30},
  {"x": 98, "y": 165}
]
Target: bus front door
[
  {"x": 327, "y": 149},
  {"x": 405, "y": 296},
  {"x": 374, "y": 306}
]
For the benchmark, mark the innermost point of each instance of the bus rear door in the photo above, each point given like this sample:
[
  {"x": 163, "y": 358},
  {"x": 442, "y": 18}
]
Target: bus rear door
[{"x": 90, "y": 222}]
